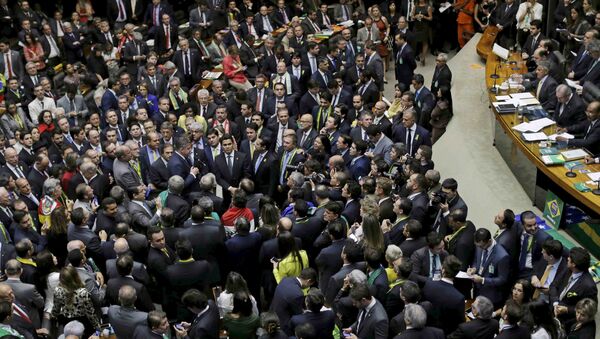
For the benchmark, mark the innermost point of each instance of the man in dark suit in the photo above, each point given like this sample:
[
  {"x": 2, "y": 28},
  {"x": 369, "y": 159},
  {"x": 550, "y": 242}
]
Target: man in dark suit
[
  {"x": 165, "y": 40},
  {"x": 530, "y": 240},
  {"x": 532, "y": 42},
  {"x": 124, "y": 268},
  {"x": 442, "y": 76},
  {"x": 134, "y": 55},
  {"x": 550, "y": 272},
  {"x": 575, "y": 286},
  {"x": 16, "y": 61},
  {"x": 206, "y": 316},
  {"x": 186, "y": 273},
  {"x": 351, "y": 192},
  {"x": 118, "y": 12},
  {"x": 404, "y": 61},
  {"x": 483, "y": 326},
  {"x": 188, "y": 61},
  {"x": 360, "y": 166},
  {"x": 124, "y": 318},
  {"x": 587, "y": 132},
  {"x": 545, "y": 88},
  {"x": 230, "y": 167},
  {"x": 282, "y": 15},
  {"x": 25, "y": 293},
  {"x": 448, "y": 304},
  {"x": 424, "y": 101},
  {"x": 372, "y": 319},
  {"x": 416, "y": 185},
  {"x": 329, "y": 260},
  {"x": 154, "y": 327},
  {"x": 175, "y": 201},
  {"x": 352, "y": 258},
  {"x": 259, "y": 94},
  {"x": 179, "y": 164},
  {"x": 507, "y": 237},
  {"x": 374, "y": 63},
  {"x": 505, "y": 21},
  {"x": 410, "y": 133},
  {"x": 512, "y": 313},
  {"x": 592, "y": 74},
  {"x": 263, "y": 167},
  {"x": 160, "y": 256},
  {"x": 158, "y": 173},
  {"x": 367, "y": 88},
  {"x": 153, "y": 15},
  {"x": 460, "y": 242},
  {"x": 79, "y": 230},
  {"x": 427, "y": 261},
  {"x": 583, "y": 60},
  {"x": 72, "y": 44},
  {"x": 490, "y": 269},
  {"x": 288, "y": 299},
  {"x": 415, "y": 319}
]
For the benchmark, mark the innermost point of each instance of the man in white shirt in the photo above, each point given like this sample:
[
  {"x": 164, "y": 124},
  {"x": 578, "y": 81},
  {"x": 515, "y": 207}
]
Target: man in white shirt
[{"x": 40, "y": 103}]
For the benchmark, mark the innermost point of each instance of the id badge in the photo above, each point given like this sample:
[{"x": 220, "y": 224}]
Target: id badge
[
  {"x": 401, "y": 61},
  {"x": 435, "y": 84},
  {"x": 491, "y": 269}
]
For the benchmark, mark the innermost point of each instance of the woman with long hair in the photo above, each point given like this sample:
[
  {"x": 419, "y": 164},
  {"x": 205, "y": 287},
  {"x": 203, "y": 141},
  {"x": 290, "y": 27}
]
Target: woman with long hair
[
  {"x": 73, "y": 302},
  {"x": 46, "y": 124},
  {"x": 544, "y": 324},
  {"x": 293, "y": 260},
  {"x": 85, "y": 10},
  {"x": 146, "y": 100},
  {"x": 585, "y": 327},
  {"x": 422, "y": 14},
  {"x": 234, "y": 70},
  {"x": 33, "y": 51},
  {"x": 322, "y": 144},
  {"x": 382, "y": 24},
  {"x": 441, "y": 113},
  {"x": 372, "y": 234},
  {"x": 241, "y": 323},
  {"x": 576, "y": 28},
  {"x": 47, "y": 278},
  {"x": 57, "y": 235},
  {"x": 269, "y": 217},
  {"x": 235, "y": 283},
  {"x": 270, "y": 326},
  {"x": 522, "y": 292}
]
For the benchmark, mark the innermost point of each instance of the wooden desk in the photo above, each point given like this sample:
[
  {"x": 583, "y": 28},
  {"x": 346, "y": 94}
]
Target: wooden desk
[{"x": 531, "y": 149}]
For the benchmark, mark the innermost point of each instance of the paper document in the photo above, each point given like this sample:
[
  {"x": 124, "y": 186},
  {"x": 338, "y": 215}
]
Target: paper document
[
  {"x": 444, "y": 6},
  {"x": 564, "y": 135},
  {"x": 212, "y": 75},
  {"x": 463, "y": 275},
  {"x": 523, "y": 95},
  {"x": 595, "y": 176},
  {"x": 573, "y": 84},
  {"x": 528, "y": 102},
  {"x": 500, "y": 51},
  {"x": 535, "y": 136},
  {"x": 503, "y": 97},
  {"x": 539, "y": 124},
  {"x": 522, "y": 127},
  {"x": 574, "y": 154},
  {"x": 347, "y": 23}
]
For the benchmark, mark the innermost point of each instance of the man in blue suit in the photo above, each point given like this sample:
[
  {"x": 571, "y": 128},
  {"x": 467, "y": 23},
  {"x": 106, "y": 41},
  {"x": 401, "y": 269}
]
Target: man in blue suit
[
  {"x": 179, "y": 164},
  {"x": 411, "y": 134},
  {"x": 424, "y": 100},
  {"x": 289, "y": 298},
  {"x": 448, "y": 304},
  {"x": 360, "y": 166},
  {"x": 109, "y": 98},
  {"x": 405, "y": 60},
  {"x": 490, "y": 268},
  {"x": 322, "y": 76},
  {"x": 531, "y": 240}
]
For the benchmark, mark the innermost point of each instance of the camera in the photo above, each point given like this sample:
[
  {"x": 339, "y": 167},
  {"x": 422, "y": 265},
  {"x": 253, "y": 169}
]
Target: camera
[
  {"x": 299, "y": 167},
  {"x": 438, "y": 198},
  {"x": 317, "y": 178}
]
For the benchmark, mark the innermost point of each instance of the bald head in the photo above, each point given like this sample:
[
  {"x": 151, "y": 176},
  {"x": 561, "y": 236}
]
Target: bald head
[
  {"x": 127, "y": 296},
  {"x": 121, "y": 246},
  {"x": 75, "y": 245},
  {"x": 6, "y": 293},
  {"x": 285, "y": 224}
]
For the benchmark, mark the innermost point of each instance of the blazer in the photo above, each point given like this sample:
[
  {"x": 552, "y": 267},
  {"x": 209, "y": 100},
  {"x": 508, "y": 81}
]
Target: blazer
[
  {"x": 529, "y": 47},
  {"x": 337, "y": 281},
  {"x": 288, "y": 301},
  {"x": 375, "y": 64},
  {"x": 561, "y": 273},
  {"x": 180, "y": 166},
  {"x": 515, "y": 332},
  {"x": 442, "y": 76},
  {"x": 73, "y": 48},
  {"x": 506, "y": 17},
  {"x": 142, "y": 218},
  {"x": 269, "y": 111},
  {"x": 133, "y": 49},
  {"x": 160, "y": 40},
  {"x": 125, "y": 176},
  {"x": 329, "y": 262},
  {"x": 265, "y": 173},
  {"x": 180, "y": 207},
  {"x": 322, "y": 79},
  {"x": 29, "y": 297},
  {"x": 572, "y": 113},
  {"x": 495, "y": 271},
  {"x": 308, "y": 142},
  {"x": 207, "y": 324},
  {"x": 592, "y": 73},
  {"x": 360, "y": 167},
  {"x": 547, "y": 97},
  {"x": 374, "y": 324},
  {"x": 323, "y": 322},
  {"x": 16, "y": 62},
  {"x": 584, "y": 287},
  {"x": 463, "y": 246},
  {"x": 426, "y": 332},
  {"x": 587, "y": 136},
  {"x": 421, "y": 259},
  {"x": 405, "y": 64},
  {"x": 163, "y": 8},
  {"x": 240, "y": 170},
  {"x": 424, "y": 104},
  {"x": 143, "y": 301},
  {"x": 581, "y": 63},
  {"x": 186, "y": 275},
  {"x": 369, "y": 92},
  {"x": 420, "y": 137},
  {"x": 124, "y": 320},
  {"x": 477, "y": 328},
  {"x": 362, "y": 35},
  {"x": 352, "y": 212},
  {"x": 448, "y": 305},
  {"x": 252, "y": 94}
]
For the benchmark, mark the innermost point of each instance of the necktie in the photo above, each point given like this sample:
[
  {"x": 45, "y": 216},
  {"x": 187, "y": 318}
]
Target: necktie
[
  {"x": 484, "y": 256},
  {"x": 8, "y": 64},
  {"x": 313, "y": 64},
  {"x": 368, "y": 34},
  {"x": 155, "y": 16},
  {"x": 153, "y": 80},
  {"x": 165, "y": 252},
  {"x": 185, "y": 63},
  {"x": 121, "y": 11},
  {"x": 42, "y": 103},
  {"x": 283, "y": 168},
  {"x": 326, "y": 20},
  {"x": 409, "y": 140},
  {"x": 588, "y": 130},
  {"x": 569, "y": 284},
  {"x": 434, "y": 266},
  {"x": 537, "y": 292},
  {"x": 581, "y": 57},
  {"x": 285, "y": 17},
  {"x": 363, "y": 314},
  {"x": 6, "y": 238},
  {"x": 259, "y": 100},
  {"x": 168, "y": 36},
  {"x": 533, "y": 41},
  {"x": 593, "y": 65},
  {"x": 230, "y": 164},
  {"x": 19, "y": 121},
  {"x": 524, "y": 251},
  {"x": 258, "y": 161},
  {"x": 203, "y": 111},
  {"x": 345, "y": 14},
  {"x": 539, "y": 88}
]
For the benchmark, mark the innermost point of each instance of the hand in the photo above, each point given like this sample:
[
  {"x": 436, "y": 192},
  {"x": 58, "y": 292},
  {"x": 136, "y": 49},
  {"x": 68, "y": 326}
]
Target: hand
[
  {"x": 45, "y": 229},
  {"x": 444, "y": 207},
  {"x": 571, "y": 75},
  {"x": 194, "y": 170},
  {"x": 94, "y": 206},
  {"x": 158, "y": 203},
  {"x": 103, "y": 235},
  {"x": 369, "y": 154},
  {"x": 471, "y": 271},
  {"x": 561, "y": 138},
  {"x": 560, "y": 129},
  {"x": 559, "y": 309},
  {"x": 524, "y": 55},
  {"x": 232, "y": 189},
  {"x": 535, "y": 282},
  {"x": 180, "y": 333},
  {"x": 100, "y": 278},
  {"x": 42, "y": 331},
  {"x": 589, "y": 159},
  {"x": 386, "y": 226},
  {"x": 477, "y": 279}
]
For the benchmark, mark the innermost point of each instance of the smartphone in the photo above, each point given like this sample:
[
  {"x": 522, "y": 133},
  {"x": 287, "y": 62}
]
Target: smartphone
[
  {"x": 178, "y": 327},
  {"x": 346, "y": 334}
]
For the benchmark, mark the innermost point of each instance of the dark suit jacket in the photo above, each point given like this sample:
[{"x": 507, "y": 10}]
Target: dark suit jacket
[
  {"x": 240, "y": 170},
  {"x": 584, "y": 287},
  {"x": 547, "y": 97},
  {"x": 463, "y": 246},
  {"x": 572, "y": 114},
  {"x": 73, "y": 51},
  {"x": 589, "y": 140},
  {"x": 581, "y": 63},
  {"x": 375, "y": 64},
  {"x": 158, "y": 175},
  {"x": 143, "y": 301},
  {"x": 180, "y": 166},
  {"x": 441, "y": 77},
  {"x": 424, "y": 104},
  {"x": 421, "y": 260},
  {"x": 592, "y": 74},
  {"x": 329, "y": 262},
  {"x": 419, "y": 207},
  {"x": 561, "y": 273},
  {"x": 130, "y": 51},
  {"x": 529, "y": 47},
  {"x": 448, "y": 305},
  {"x": 507, "y": 18},
  {"x": 477, "y": 328},
  {"x": 308, "y": 142},
  {"x": 206, "y": 325},
  {"x": 307, "y": 103},
  {"x": 160, "y": 41},
  {"x": 322, "y": 79},
  {"x": 508, "y": 240},
  {"x": 517, "y": 332},
  {"x": 374, "y": 324},
  {"x": 421, "y": 137},
  {"x": 426, "y": 332},
  {"x": 180, "y": 207},
  {"x": 360, "y": 167},
  {"x": 352, "y": 212},
  {"x": 288, "y": 301},
  {"x": 253, "y": 96},
  {"x": 124, "y": 320},
  {"x": 208, "y": 242},
  {"x": 265, "y": 174},
  {"x": 409, "y": 246},
  {"x": 337, "y": 281},
  {"x": 405, "y": 64},
  {"x": 495, "y": 270},
  {"x": 323, "y": 322}
]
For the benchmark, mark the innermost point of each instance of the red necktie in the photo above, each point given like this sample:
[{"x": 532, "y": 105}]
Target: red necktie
[
  {"x": 8, "y": 65},
  {"x": 168, "y": 37},
  {"x": 155, "y": 16}
]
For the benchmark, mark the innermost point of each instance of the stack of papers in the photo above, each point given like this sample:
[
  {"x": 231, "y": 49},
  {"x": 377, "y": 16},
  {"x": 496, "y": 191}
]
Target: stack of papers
[
  {"x": 535, "y": 136},
  {"x": 564, "y": 135},
  {"x": 573, "y": 84},
  {"x": 574, "y": 154},
  {"x": 347, "y": 23},
  {"x": 524, "y": 95},
  {"x": 534, "y": 126},
  {"x": 553, "y": 159},
  {"x": 503, "y": 97},
  {"x": 595, "y": 176},
  {"x": 212, "y": 75}
]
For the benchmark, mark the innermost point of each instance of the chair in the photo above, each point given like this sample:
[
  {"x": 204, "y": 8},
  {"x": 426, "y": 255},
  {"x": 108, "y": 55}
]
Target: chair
[{"x": 590, "y": 92}]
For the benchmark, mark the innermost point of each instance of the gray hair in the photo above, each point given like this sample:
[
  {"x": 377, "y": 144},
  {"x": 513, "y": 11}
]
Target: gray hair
[
  {"x": 203, "y": 91},
  {"x": 173, "y": 80},
  {"x": 297, "y": 178},
  {"x": 357, "y": 277},
  {"x": 169, "y": 65},
  {"x": 484, "y": 307},
  {"x": 50, "y": 186},
  {"x": 75, "y": 328},
  {"x": 67, "y": 25},
  {"x": 127, "y": 295},
  {"x": 443, "y": 56},
  {"x": 208, "y": 182},
  {"x": 545, "y": 65},
  {"x": 393, "y": 253},
  {"x": 415, "y": 316},
  {"x": 176, "y": 184},
  {"x": 88, "y": 168},
  {"x": 195, "y": 126},
  {"x": 206, "y": 203},
  {"x": 563, "y": 90},
  {"x": 593, "y": 46}
]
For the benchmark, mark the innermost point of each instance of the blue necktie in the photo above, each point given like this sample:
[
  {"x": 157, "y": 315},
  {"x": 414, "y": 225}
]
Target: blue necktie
[{"x": 524, "y": 251}]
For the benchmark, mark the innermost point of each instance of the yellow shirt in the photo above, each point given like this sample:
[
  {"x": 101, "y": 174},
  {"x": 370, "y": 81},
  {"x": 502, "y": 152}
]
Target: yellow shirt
[{"x": 290, "y": 267}]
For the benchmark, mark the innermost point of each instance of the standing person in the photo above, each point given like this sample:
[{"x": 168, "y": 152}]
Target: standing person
[
  {"x": 422, "y": 14},
  {"x": 404, "y": 59},
  {"x": 465, "y": 21},
  {"x": 383, "y": 26}
]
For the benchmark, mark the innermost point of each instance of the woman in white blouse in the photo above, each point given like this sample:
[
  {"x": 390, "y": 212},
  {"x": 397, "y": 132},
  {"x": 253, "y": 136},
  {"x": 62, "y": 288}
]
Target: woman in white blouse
[
  {"x": 48, "y": 275},
  {"x": 235, "y": 283}
]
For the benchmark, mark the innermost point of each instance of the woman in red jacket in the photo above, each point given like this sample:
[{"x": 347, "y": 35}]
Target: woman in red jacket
[{"x": 234, "y": 70}]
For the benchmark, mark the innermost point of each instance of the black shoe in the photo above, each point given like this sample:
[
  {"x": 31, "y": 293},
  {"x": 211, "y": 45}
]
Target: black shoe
[{"x": 417, "y": 58}]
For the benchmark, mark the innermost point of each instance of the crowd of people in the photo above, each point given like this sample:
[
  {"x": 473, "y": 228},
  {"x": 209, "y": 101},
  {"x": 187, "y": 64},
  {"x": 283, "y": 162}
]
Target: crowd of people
[{"x": 288, "y": 196}]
